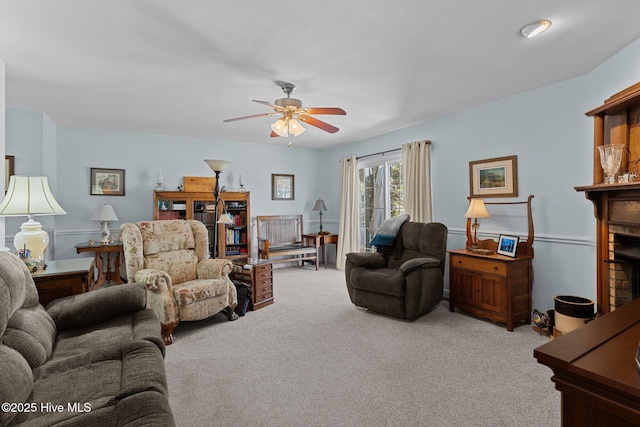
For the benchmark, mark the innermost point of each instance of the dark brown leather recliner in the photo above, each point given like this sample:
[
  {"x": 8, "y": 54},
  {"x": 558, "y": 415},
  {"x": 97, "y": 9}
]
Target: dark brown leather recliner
[{"x": 405, "y": 280}]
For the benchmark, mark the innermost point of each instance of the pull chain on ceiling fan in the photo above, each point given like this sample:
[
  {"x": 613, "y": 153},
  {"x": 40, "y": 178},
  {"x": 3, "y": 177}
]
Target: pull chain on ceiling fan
[{"x": 292, "y": 114}]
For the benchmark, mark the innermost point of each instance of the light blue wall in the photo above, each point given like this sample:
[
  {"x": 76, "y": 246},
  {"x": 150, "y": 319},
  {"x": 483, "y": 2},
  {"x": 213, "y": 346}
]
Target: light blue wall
[{"x": 546, "y": 128}]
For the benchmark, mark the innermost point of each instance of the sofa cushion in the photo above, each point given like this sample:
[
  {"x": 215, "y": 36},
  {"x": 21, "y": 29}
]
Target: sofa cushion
[
  {"x": 99, "y": 378},
  {"x": 181, "y": 264},
  {"x": 16, "y": 380},
  {"x": 196, "y": 290},
  {"x": 31, "y": 332}
]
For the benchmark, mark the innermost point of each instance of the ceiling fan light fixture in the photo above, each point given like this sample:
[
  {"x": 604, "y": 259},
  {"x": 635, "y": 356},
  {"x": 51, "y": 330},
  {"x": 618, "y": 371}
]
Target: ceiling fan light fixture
[
  {"x": 295, "y": 128},
  {"x": 280, "y": 127},
  {"x": 536, "y": 28}
]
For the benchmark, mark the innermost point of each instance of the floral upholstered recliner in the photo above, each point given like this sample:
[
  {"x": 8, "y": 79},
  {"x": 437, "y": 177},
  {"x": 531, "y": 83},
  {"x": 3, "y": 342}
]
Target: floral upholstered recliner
[{"x": 171, "y": 258}]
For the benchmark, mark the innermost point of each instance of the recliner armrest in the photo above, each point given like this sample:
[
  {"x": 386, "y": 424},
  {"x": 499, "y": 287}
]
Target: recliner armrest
[
  {"x": 214, "y": 268},
  {"x": 415, "y": 263},
  {"x": 367, "y": 259},
  {"x": 91, "y": 308},
  {"x": 154, "y": 280}
]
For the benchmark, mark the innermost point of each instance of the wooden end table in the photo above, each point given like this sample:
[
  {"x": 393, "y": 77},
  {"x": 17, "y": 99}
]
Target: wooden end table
[
  {"x": 63, "y": 278},
  {"x": 108, "y": 271},
  {"x": 321, "y": 240}
]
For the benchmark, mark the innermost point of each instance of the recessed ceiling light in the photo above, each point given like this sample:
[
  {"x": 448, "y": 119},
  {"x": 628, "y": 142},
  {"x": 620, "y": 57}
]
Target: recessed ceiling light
[{"x": 535, "y": 28}]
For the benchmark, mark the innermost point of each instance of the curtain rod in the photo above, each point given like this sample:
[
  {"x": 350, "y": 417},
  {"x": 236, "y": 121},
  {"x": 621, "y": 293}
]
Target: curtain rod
[
  {"x": 376, "y": 154},
  {"x": 388, "y": 151}
]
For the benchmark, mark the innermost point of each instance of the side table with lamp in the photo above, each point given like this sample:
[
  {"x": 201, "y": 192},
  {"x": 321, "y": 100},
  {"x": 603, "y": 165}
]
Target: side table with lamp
[{"x": 109, "y": 270}]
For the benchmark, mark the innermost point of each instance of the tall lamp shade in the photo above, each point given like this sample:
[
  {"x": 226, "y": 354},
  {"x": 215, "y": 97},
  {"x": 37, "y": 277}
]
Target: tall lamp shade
[
  {"x": 104, "y": 214},
  {"x": 30, "y": 196}
]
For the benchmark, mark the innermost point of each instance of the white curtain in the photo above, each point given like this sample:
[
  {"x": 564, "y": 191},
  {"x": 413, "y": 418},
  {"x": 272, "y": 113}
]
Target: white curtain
[
  {"x": 349, "y": 210},
  {"x": 416, "y": 166}
]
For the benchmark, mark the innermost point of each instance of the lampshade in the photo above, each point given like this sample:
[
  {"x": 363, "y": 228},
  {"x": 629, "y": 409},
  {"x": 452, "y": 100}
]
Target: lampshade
[
  {"x": 218, "y": 165},
  {"x": 280, "y": 128},
  {"x": 295, "y": 127},
  {"x": 225, "y": 219},
  {"x": 104, "y": 213},
  {"x": 476, "y": 209},
  {"x": 286, "y": 126},
  {"x": 319, "y": 206},
  {"x": 30, "y": 195}
]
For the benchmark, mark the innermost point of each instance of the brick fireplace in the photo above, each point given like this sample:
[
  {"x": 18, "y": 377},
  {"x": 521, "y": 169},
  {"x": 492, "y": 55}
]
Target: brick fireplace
[
  {"x": 617, "y": 205},
  {"x": 624, "y": 265}
]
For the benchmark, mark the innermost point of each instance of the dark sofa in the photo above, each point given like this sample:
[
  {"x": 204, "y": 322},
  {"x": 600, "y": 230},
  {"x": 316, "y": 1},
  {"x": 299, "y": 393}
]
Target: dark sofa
[{"x": 91, "y": 359}]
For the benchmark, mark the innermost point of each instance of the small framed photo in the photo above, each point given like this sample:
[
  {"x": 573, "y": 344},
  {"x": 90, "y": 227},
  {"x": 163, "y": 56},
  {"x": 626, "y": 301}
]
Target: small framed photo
[
  {"x": 9, "y": 170},
  {"x": 107, "y": 182},
  {"x": 496, "y": 177},
  {"x": 507, "y": 245},
  {"x": 282, "y": 187}
]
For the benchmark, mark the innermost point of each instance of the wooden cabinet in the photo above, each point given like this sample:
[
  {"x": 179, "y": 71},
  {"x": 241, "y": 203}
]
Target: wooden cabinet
[
  {"x": 234, "y": 240},
  {"x": 64, "y": 278},
  {"x": 259, "y": 274},
  {"x": 494, "y": 287}
]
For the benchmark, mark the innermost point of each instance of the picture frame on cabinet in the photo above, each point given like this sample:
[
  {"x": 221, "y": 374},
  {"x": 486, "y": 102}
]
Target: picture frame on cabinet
[
  {"x": 282, "y": 187},
  {"x": 497, "y": 177},
  {"x": 107, "y": 182},
  {"x": 9, "y": 169},
  {"x": 507, "y": 245}
]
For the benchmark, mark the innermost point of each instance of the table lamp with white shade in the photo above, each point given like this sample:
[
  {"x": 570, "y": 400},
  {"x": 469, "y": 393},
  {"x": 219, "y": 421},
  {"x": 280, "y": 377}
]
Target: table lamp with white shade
[
  {"x": 30, "y": 196},
  {"x": 104, "y": 214},
  {"x": 476, "y": 210}
]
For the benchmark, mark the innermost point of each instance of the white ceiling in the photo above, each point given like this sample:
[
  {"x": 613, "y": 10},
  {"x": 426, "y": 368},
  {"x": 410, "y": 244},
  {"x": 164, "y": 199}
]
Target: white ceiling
[{"x": 181, "y": 67}]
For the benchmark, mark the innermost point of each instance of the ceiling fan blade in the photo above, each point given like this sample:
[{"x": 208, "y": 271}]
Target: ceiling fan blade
[
  {"x": 274, "y": 135},
  {"x": 318, "y": 123},
  {"x": 268, "y": 104},
  {"x": 326, "y": 110},
  {"x": 248, "y": 117}
]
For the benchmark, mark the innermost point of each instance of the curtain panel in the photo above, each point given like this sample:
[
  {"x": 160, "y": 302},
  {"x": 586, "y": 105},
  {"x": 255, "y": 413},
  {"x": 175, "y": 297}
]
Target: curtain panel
[
  {"x": 349, "y": 210},
  {"x": 416, "y": 165}
]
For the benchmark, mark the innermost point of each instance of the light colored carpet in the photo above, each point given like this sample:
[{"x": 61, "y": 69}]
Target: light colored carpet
[{"x": 314, "y": 359}]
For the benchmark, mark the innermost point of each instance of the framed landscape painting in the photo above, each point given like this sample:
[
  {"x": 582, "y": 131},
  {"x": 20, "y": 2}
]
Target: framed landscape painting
[
  {"x": 107, "y": 182},
  {"x": 496, "y": 177},
  {"x": 282, "y": 187}
]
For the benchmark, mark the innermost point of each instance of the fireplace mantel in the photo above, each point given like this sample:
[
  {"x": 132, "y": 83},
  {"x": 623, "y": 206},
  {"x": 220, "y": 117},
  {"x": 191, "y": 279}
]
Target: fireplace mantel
[{"x": 617, "y": 121}]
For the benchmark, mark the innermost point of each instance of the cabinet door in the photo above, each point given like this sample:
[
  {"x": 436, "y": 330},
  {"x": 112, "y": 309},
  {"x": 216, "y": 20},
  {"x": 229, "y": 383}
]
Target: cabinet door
[
  {"x": 462, "y": 286},
  {"x": 492, "y": 293}
]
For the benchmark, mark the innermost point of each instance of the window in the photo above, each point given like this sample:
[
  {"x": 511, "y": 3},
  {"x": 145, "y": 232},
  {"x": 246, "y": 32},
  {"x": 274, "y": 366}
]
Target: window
[{"x": 381, "y": 193}]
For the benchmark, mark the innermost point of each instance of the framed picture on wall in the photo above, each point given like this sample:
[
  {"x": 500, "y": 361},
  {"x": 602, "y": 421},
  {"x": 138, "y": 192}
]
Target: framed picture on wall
[
  {"x": 9, "y": 169},
  {"x": 107, "y": 182},
  {"x": 496, "y": 177},
  {"x": 282, "y": 187}
]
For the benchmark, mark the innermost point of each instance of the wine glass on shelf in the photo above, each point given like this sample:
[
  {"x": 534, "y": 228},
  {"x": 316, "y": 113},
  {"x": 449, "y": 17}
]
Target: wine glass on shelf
[{"x": 610, "y": 159}]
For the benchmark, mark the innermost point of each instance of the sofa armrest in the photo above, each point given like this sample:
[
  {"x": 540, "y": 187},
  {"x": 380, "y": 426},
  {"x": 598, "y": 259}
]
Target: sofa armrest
[
  {"x": 214, "y": 268},
  {"x": 367, "y": 259},
  {"x": 97, "y": 306},
  {"x": 416, "y": 263}
]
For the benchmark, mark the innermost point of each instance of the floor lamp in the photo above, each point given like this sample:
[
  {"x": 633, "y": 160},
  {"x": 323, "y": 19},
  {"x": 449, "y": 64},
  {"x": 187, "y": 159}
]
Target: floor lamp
[{"x": 216, "y": 166}]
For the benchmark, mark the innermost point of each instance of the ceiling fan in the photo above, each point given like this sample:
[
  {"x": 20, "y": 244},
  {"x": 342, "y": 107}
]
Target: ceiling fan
[{"x": 292, "y": 114}]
